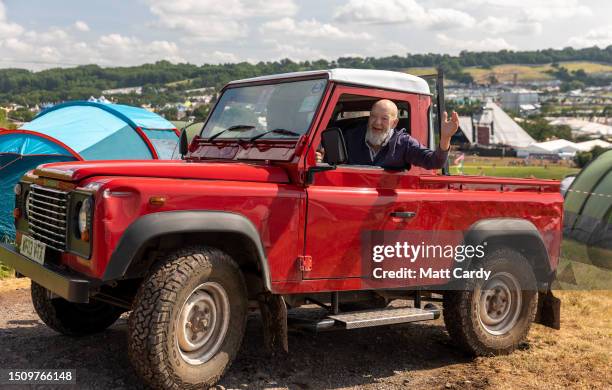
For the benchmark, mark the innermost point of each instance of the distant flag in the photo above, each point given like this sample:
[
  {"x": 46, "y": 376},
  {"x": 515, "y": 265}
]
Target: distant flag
[
  {"x": 459, "y": 159},
  {"x": 459, "y": 162}
]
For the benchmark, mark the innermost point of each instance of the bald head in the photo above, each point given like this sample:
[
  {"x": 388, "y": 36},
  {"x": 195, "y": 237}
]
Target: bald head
[
  {"x": 385, "y": 107},
  {"x": 382, "y": 121}
]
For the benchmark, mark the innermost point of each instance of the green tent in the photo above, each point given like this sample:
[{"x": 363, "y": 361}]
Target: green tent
[{"x": 588, "y": 211}]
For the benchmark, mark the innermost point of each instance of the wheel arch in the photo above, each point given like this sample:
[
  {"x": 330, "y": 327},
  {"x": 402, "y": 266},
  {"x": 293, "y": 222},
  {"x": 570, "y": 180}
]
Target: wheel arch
[
  {"x": 152, "y": 234},
  {"x": 514, "y": 233}
]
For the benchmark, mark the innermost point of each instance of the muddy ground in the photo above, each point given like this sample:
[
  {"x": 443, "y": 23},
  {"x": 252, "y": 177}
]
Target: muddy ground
[{"x": 419, "y": 356}]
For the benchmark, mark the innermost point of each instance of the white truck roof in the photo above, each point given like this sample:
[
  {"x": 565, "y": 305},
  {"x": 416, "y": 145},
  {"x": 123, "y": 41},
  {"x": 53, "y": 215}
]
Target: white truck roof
[{"x": 384, "y": 79}]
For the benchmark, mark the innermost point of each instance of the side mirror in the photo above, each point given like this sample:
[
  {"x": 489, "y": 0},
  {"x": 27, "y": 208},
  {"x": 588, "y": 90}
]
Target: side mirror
[
  {"x": 332, "y": 141},
  {"x": 183, "y": 143},
  {"x": 334, "y": 145}
]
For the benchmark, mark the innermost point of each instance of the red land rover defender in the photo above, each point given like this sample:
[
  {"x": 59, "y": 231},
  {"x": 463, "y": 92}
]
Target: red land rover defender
[{"x": 248, "y": 216}]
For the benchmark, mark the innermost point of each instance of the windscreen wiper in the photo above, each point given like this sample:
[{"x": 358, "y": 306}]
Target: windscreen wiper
[
  {"x": 234, "y": 128},
  {"x": 275, "y": 131}
]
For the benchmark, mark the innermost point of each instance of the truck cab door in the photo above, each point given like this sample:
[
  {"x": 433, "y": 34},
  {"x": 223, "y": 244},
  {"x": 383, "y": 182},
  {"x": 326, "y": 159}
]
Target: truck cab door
[{"x": 351, "y": 201}]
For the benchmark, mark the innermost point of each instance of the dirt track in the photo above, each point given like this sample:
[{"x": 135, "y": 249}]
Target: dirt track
[{"x": 410, "y": 356}]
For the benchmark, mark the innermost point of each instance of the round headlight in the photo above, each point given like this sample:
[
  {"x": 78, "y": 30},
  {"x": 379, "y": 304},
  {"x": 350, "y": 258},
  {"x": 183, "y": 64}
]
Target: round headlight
[
  {"x": 17, "y": 189},
  {"x": 84, "y": 213}
]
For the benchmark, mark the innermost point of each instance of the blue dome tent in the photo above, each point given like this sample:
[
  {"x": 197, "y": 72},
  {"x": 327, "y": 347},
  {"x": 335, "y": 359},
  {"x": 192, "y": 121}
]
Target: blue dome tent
[{"x": 79, "y": 130}]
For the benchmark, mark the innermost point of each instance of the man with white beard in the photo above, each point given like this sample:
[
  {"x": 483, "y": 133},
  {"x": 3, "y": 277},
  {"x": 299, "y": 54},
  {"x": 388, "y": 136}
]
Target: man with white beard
[{"x": 380, "y": 143}]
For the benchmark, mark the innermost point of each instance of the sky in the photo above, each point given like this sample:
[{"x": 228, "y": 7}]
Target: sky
[{"x": 37, "y": 34}]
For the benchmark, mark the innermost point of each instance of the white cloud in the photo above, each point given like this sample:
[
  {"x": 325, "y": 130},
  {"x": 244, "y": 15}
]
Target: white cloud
[
  {"x": 116, "y": 47},
  {"x": 8, "y": 29},
  {"x": 447, "y": 18},
  {"x": 52, "y": 36},
  {"x": 537, "y": 10},
  {"x": 499, "y": 25},
  {"x": 296, "y": 53},
  {"x": 220, "y": 57},
  {"x": 310, "y": 29},
  {"x": 601, "y": 37},
  {"x": 14, "y": 45},
  {"x": 555, "y": 10},
  {"x": 56, "y": 47},
  {"x": 81, "y": 26},
  {"x": 402, "y": 11},
  {"x": 211, "y": 20},
  {"x": 486, "y": 44}
]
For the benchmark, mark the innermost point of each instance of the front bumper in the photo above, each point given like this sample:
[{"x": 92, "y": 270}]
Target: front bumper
[{"x": 71, "y": 287}]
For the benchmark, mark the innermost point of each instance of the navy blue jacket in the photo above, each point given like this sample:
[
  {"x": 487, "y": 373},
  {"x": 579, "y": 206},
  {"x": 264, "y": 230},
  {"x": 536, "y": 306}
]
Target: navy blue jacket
[{"x": 400, "y": 152}]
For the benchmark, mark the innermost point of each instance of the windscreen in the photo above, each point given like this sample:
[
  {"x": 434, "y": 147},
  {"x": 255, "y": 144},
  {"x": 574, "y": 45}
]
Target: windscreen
[{"x": 253, "y": 110}]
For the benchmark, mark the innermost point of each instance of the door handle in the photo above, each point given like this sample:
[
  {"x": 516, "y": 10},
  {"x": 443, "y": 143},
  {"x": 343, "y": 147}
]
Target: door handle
[{"x": 403, "y": 214}]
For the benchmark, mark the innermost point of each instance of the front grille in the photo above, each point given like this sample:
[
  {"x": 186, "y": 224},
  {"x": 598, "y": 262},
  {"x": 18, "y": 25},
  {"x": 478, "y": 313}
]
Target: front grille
[{"x": 47, "y": 216}]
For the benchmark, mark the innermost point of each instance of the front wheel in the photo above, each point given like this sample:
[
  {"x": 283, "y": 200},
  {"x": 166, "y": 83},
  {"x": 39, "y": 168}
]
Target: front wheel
[
  {"x": 72, "y": 319},
  {"x": 188, "y": 320},
  {"x": 493, "y": 316}
]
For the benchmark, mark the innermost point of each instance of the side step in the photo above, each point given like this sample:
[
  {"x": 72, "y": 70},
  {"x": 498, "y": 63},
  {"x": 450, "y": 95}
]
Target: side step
[
  {"x": 317, "y": 320},
  {"x": 388, "y": 316}
]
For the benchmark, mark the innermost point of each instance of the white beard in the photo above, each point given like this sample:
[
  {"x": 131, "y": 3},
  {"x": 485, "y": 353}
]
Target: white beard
[{"x": 376, "y": 138}]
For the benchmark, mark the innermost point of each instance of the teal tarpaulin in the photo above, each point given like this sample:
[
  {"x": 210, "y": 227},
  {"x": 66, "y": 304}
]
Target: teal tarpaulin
[{"x": 79, "y": 131}]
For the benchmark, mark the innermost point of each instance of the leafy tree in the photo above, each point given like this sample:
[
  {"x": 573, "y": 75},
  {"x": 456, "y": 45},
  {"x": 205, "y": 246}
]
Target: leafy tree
[
  {"x": 539, "y": 128},
  {"x": 22, "y": 115},
  {"x": 571, "y": 85},
  {"x": 170, "y": 113},
  {"x": 581, "y": 159},
  {"x": 201, "y": 112},
  {"x": 466, "y": 108}
]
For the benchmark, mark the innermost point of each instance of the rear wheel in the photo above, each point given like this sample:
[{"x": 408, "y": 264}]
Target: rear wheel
[
  {"x": 73, "y": 319},
  {"x": 188, "y": 320},
  {"x": 493, "y": 316}
]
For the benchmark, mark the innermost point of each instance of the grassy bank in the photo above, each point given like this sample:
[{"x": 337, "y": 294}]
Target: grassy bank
[{"x": 6, "y": 272}]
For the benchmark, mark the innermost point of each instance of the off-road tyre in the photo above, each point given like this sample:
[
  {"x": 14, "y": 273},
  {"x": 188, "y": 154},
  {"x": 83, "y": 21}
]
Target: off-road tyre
[
  {"x": 153, "y": 343},
  {"x": 73, "y": 319},
  {"x": 462, "y": 313}
]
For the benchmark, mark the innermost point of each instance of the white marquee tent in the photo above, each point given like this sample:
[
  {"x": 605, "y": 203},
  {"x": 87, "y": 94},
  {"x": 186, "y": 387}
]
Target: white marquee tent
[{"x": 505, "y": 131}]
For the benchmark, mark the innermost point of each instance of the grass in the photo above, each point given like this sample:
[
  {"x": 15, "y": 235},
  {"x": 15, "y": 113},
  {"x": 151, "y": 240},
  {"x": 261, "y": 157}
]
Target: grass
[
  {"x": 6, "y": 271},
  {"x": 505, "y": 73},
  {"x": 589, "y": 67},
  {"x": 192, "y": 131},
  {"x": 588, "y": 276},
  {"x": 179, "y": 83},
  {"x": 556, "y": 172},
  {"x": 420, "y": 71},
  {"x": 576, "y": 356}
]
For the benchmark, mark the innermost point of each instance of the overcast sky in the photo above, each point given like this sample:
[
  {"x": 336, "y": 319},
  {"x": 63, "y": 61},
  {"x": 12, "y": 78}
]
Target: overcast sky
[{"x": 37, "y": 34}]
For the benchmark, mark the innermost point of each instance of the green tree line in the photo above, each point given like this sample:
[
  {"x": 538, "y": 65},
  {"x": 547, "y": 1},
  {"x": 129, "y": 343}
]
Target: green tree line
[{"x": 27, "y": 88}]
